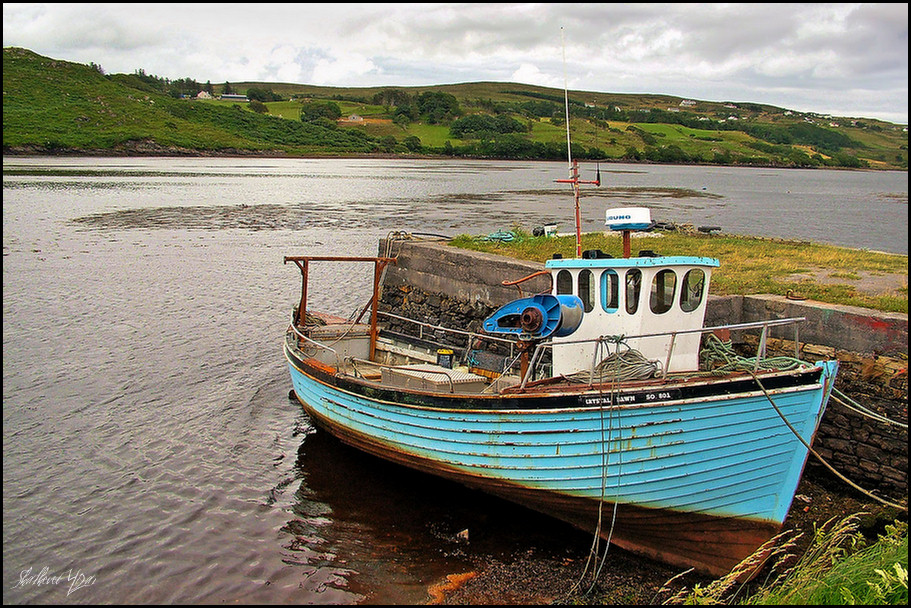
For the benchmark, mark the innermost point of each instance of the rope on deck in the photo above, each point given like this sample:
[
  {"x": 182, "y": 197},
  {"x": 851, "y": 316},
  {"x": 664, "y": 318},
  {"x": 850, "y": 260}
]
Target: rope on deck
[
  {"x": 719, "y": 356},
  {"x": 619, "y": 366}
]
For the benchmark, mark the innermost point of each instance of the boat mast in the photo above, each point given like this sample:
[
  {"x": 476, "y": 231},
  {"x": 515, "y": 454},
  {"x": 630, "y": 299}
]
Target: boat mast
[{"x": 573, "y": 165}]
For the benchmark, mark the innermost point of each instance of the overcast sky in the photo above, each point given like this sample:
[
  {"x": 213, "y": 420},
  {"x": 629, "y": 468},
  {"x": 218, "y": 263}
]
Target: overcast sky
[{"x": 841, "y": 59}]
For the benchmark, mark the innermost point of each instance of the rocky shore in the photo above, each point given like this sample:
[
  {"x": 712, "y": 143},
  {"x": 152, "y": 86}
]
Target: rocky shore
[
  {"x": 138, "y": 148},
  {"x": 539, "y": 576},
  {"x": 148, "y": 147}
]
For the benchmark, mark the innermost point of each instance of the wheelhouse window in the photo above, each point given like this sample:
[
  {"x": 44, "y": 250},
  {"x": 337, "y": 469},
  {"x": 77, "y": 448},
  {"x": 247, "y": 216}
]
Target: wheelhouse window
[
  {"x": 633, "y": 287},
  {"x": 610, "y": 291},
  {"x": 692, "y": 290},
  {"x": 587, "y": 290},
  {"x": 662, "y": 293},
  {"x": 564, "y": 282}
]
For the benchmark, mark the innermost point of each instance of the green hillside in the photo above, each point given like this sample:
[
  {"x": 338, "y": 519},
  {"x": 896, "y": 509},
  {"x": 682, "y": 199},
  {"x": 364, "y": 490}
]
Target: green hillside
[
  {"x": 56, "y": 106},
  {"x": 52, "y": 106}
]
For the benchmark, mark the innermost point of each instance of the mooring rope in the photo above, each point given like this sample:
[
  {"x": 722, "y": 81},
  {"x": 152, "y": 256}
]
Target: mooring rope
[
  {"x": 859, "y": 409},
  {"x": 594, "y": 554},
  {"x": 718, "y": 351},
  {"x": 820, "y": 458},
  {"x": 631, "y": 364},
  {"x": 594, "y": 549},
  {"x": 613, "y": 522}
]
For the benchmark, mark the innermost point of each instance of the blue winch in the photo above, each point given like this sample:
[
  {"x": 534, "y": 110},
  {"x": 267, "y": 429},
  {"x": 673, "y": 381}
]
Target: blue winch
[{"x": 537, "y": 317}]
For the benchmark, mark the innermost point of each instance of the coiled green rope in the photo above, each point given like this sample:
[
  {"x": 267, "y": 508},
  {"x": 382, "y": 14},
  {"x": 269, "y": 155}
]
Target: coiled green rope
[{"x": 719, "y": 356}]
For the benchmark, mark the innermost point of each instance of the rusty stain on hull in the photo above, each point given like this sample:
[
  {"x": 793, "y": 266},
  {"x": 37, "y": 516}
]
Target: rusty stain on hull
[
  {"x": 703, "y": 471},
  {"x": 713, "y": 545}
]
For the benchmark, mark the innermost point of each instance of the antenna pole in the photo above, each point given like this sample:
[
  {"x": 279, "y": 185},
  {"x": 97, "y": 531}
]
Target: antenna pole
[
  {"x": 569, "y": 152},
  {"x": 573, "y": 165}
]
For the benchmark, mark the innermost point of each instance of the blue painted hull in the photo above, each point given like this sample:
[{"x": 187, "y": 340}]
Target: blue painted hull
[{"x": 698, "y": 481}]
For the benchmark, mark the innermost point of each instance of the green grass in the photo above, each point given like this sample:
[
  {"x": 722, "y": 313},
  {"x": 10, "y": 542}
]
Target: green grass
[
  {"x": 289, "y": 110},
  {"x": 544, "y": 131},
  {"x": 838, "y": 568},
  {"x": 434, "y": 136},
  {"x": 361, "y": 109},
  {"x": 749, "y": 265},
  {"x": 61, "y": 106},
  {"x": 701, "y": 142},
  {"x": 831, "y": 574}
]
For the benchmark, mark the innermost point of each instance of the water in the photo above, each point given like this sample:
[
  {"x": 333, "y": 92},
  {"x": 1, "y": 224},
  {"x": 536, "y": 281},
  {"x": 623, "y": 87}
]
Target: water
[{"x": 150, "y": 451}]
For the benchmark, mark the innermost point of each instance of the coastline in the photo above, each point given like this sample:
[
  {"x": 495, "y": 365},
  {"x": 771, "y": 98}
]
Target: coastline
[{"x": 151, "y": 149}]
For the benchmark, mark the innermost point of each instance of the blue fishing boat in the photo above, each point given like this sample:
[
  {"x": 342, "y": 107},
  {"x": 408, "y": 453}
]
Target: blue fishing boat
[
  {"x": 603, "y": 402},
  {"x": 602, "y": 399}
]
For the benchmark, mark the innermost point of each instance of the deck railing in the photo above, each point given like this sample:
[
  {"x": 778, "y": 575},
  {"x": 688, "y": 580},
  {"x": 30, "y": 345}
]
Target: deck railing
[
  {"x": 537, "y": 355},
  {"x": 764, "y": 326},
  {"x": 470, "y": 336},
  {"x": 319, "y": 345}
]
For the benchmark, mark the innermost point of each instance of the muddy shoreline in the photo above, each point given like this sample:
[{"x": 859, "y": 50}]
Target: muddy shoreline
[
  {"x": 150, "y": 148},
  {"x": 538, "y": 576}
]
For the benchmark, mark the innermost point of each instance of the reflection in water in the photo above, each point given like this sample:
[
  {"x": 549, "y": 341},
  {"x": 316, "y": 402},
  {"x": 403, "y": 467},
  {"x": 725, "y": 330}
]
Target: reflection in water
[{"x": 385, "y": 519}]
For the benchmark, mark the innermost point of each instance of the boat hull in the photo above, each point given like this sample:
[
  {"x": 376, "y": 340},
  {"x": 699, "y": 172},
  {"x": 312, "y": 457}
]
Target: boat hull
[{"x": 697, "y": 481}]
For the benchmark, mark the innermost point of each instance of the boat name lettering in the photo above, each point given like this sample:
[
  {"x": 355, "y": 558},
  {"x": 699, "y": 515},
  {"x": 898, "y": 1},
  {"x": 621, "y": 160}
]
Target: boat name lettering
[{"x": 649, "y": 397}]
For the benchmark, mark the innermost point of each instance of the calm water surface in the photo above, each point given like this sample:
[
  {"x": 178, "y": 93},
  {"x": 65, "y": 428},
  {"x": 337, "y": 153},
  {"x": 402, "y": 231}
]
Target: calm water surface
[{"x": 150, "y": 452}]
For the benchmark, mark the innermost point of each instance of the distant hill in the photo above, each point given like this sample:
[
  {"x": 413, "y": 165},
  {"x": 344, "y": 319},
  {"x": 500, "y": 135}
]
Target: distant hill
[{"x": 58, "y": 107}]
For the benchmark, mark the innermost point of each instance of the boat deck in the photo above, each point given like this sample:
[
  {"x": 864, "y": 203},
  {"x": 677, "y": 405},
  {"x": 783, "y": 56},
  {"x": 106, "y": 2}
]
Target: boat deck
[{"x": 412, "y": 364}]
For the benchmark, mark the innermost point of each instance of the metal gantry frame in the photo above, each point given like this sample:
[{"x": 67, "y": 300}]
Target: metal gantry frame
[{"x": 379, "y": 264}]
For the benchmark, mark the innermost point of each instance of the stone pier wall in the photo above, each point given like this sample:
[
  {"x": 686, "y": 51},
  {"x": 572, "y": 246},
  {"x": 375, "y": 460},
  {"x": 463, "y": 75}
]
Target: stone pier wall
[{"x": 451, "y": 287}]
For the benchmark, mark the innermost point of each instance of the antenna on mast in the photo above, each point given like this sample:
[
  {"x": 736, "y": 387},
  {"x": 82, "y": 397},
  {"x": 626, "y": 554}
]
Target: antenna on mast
[
  {"x": 573, "y": 165},
  {"x": 569, "y": 152}
]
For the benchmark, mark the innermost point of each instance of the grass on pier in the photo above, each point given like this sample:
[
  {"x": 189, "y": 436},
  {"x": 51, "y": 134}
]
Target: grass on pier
[{"x": 749, "y": 265}]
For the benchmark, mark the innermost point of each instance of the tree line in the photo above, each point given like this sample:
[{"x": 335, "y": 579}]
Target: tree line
[{"x": 498, "y": 133}]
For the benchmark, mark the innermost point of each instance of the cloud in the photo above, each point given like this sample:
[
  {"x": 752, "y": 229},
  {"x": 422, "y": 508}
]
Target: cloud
[
  {"x": 339, "y": 71},
  {"x": 791, "y": 55},
  {"x": 530, "y": 74}
]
